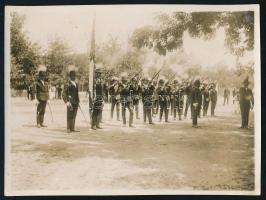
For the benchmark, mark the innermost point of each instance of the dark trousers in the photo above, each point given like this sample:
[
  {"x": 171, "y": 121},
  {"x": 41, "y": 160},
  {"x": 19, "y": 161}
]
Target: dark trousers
[
  {"x": 163, "y": 109},
  {"x": 71, "y": 116},
  {"x": 199, "y": 111},
  {"x": 244, "y": 108},
  {"x": 194, "y": 111},
  {"x": 96, "y": 117},
  {"x": 137, "y": 110},
  {"x": 124, "y": 107},
  {"x": 187, "y": 106},
  {"x": 205, "y": 108},
  {"x": 147, "y": 110},
  {"x": 155, "y": 106},
  {"x": 213, "y": 105},
  {"x": 172, "y": 104},
  {"x": 115, "y": 102},
  {"x": 226, "y": 100},
  {"x": 40, "y": 111},
  {"x": 59, "y": 94},
  {"x": 179, "y": 112}
]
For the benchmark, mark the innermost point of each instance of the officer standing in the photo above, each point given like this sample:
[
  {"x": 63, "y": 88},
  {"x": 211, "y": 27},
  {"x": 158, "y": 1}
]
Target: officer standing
[
  {"x": 71, "y": 98},
  {"x": 195, "y": 103},
  {"x": 213, "y": 98},
  {"x": 246, "y": 102},
  {"x": 126, "y": 95},
  {"x": 42, "y": 96}
]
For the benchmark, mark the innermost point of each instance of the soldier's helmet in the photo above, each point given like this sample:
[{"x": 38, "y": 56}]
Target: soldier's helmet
[
  {"x": 175, "y": 81},
  {"x": 124, "y": 77},
  {"x": 161, "y": 81},
  {"x": 197, "y": 83},
  {"x": 134, "y": 80}
]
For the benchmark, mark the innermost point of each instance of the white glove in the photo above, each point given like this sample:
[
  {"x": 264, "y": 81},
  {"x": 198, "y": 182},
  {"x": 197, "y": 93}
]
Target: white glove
[
  {"x": 195, "y": 104},
  {"x": 36, "y": 102},
  {"x": 68, "y": 104}
]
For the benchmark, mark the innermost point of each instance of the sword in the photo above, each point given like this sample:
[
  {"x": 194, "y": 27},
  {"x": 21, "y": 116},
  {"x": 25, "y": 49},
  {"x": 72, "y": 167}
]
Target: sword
[
  {"x": 84, "y": 116},
  {"x": 51, "y": 112}
]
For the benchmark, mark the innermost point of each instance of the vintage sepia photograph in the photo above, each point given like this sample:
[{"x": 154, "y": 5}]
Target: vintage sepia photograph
[{"x": 132, "y": 100}]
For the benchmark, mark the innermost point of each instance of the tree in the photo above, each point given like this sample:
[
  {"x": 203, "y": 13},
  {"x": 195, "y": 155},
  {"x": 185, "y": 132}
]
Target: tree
[
  {"x": 25, "y": 56},
  {"x": 167, "y": 35},
  {"x": 57, "y": 59}
]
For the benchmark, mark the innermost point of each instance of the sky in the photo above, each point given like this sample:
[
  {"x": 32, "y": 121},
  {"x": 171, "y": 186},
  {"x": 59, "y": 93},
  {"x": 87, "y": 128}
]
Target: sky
[{"x": 74, "y": 23}]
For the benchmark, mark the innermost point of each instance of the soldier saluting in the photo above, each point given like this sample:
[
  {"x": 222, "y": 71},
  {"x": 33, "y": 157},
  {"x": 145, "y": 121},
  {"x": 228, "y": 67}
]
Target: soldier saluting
[
  {"x": 42, "y": 95},
  {"x": 71, "y": 98},
  {"x": 246, "y": 102}
]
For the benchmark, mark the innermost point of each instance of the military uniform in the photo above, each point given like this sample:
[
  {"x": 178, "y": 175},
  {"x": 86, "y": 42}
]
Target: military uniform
[
  {"x": 246, "y": 101},
  {"x": 164, "y": 101},
  {"x": 42, "y": 95},
  {"x": 115, "y": 99},
  {"x": 188, "y": 99},
  {"x": 136, "y": 97},
  {"x": 206, "y": 100},
  {"x": 97, "y": 106},
  {"x": 195, "y": 102},
  {"x": 147, "y": 100},
  {"x": 70, "y": 96},
  {"x": 213, "y": 98},
  {"x": 126, "y": 95},
  {"x": 178, "y": 95}
]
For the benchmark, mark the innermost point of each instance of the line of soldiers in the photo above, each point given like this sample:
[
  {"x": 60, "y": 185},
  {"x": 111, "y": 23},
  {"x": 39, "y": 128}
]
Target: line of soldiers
[
  {"x": 167, "y": 97},
  {"x": 157, "y": 96}
]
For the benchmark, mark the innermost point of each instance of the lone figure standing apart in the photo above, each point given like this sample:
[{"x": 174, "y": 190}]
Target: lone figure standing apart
[
  {"x": 42, "y": 96},
  {"x": 246, "y": 102},
  {"x": 195, "y": 103},
  {"x": 71, "y": 98}
]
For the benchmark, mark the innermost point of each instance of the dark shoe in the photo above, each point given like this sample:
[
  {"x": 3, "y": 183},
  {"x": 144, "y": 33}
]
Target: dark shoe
[
  {"x": 93, "y": 128},
  {"x": 131, "y": 126},
  {"x": 98, "y": 127},
  {"x": 43, "y": 125},
  {"x": 75, "y": 131},
  {"x": 152, "y": 123}
]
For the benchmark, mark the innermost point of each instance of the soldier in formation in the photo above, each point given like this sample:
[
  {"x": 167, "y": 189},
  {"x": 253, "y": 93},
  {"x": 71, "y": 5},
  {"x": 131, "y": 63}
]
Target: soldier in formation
[{"x": 166, "y": 95}]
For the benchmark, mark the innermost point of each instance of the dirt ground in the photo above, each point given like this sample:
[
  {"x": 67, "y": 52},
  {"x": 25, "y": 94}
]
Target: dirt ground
[{"x": 175, "y": 156}]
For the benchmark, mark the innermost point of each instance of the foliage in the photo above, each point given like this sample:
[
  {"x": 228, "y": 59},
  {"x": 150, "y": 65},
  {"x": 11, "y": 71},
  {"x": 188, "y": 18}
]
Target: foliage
[
  {"x": 167, "y": 35},
  {"x": 25, "y": 56}
]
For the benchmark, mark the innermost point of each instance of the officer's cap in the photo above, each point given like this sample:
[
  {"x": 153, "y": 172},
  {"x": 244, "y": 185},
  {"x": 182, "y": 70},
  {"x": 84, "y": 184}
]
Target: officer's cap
[
  {"x": 42, "y": 70},
  {"x": 71, "y": 70},
  {"x": 246, "y": 81}
]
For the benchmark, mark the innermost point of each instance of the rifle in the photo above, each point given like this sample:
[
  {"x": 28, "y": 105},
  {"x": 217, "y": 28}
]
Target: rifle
[
  {"x": 156, "y": 74},
  {"x": 170, "y": 79}
]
